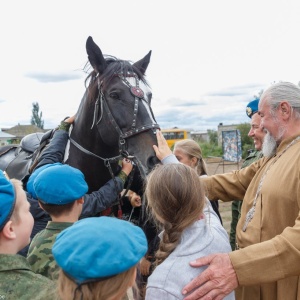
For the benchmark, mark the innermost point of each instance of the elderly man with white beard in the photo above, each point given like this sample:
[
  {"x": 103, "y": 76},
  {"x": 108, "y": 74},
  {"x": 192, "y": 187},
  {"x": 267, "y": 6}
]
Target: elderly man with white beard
[{"x": 267, "y": 264}]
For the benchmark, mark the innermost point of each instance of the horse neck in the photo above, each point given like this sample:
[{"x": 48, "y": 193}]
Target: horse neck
[{"x": 95, "y": 172}]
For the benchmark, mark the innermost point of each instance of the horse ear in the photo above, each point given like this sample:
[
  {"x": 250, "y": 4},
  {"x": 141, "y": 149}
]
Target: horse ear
[
  {"x": 143, "y": 63},
  {"x": 95, "y": 56}
]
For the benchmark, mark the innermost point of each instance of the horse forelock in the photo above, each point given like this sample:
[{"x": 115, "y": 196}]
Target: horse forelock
[{"x": 114, "y": 68}]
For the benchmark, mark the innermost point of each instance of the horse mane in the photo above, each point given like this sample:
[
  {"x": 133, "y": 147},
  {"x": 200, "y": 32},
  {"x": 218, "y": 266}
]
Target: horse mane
[{"x": 114, "y": 66}]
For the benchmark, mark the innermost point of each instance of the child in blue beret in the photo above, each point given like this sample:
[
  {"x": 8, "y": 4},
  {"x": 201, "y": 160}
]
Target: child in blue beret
[
  {"x": 60, "y": 190},
  {"x": 94, "y": 203},
  {"x": 98, "y": 258},
  {"x": 17, "y": 280}
]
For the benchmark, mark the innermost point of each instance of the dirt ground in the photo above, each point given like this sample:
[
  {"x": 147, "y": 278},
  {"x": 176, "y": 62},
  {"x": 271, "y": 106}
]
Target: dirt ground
[{"x": 217, "y": 166}]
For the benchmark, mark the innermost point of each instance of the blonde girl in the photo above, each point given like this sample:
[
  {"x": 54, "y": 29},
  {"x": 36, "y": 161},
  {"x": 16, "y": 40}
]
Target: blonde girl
[
  {"x": 177, "y": 201},
  {"x": 189, "y": 152}
]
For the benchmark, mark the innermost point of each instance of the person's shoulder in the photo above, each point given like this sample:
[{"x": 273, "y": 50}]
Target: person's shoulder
[
  {"x": 41, "y": 245},
  {"x": 47, "y": 294},
  {"x": 168, "y": 278},
  {"x": 38, "y": 240},
  {"x": 252, "y": 157},
  {"x": 42, "y": 262},
  {"x": 28, "y": 282},
  {"x": 33, "y": 285}
]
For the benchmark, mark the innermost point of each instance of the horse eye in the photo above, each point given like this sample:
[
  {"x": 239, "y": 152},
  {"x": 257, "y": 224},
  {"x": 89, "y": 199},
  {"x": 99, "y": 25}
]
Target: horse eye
[{"x": 114, "y": 96}]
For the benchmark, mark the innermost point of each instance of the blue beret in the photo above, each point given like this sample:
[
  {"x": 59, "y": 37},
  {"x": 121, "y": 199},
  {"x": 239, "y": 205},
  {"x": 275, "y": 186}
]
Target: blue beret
[
  {"x": 7, "y": 199},
  {"x": 29, "y": 185},
  {"x": 252, "y": 108},
  {"x": 59, "y": 184},
  {"x": 99, "y": 247}
]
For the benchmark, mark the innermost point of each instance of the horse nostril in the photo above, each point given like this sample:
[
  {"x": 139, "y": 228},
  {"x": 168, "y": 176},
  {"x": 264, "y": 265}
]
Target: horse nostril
[{"x": 152, "y": 161}]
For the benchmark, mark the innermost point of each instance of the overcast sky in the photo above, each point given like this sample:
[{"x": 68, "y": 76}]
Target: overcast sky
[{"x": 208, "y": 57}]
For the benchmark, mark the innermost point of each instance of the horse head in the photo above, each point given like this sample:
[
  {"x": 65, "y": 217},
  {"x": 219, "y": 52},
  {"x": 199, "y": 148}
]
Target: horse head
[{"x": 115, "y": 118}]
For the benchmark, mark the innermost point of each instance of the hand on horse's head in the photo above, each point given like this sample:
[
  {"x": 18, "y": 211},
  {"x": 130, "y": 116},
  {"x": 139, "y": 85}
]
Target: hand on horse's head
[
  {"x": 66, "y": 123},
  {"x": 162, "y": 149},
  {"x": 126, "y": 166},
  {"x": 70, "y": 119}
]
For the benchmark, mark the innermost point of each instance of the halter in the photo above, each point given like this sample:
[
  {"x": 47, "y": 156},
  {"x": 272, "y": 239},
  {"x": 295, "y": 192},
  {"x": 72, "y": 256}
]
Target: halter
[{"x": 101, "y": 101}]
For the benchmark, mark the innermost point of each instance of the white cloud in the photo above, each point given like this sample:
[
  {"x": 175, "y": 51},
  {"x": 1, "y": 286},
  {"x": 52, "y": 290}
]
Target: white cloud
[{"x": 208, "y": 57}]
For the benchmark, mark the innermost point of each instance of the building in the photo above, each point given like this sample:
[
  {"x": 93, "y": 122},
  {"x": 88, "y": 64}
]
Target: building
[
  {"x": 6, "y": 138},
  {"x": 19, "y": 131},
  {"x": 200, "y": 136}
]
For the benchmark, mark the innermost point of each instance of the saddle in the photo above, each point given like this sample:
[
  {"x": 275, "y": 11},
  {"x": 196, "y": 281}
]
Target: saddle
[{"x": 19, "y": 161}]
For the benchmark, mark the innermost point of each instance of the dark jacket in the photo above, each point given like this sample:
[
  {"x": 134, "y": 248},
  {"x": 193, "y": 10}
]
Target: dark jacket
[{"x": 94, "y": 203}]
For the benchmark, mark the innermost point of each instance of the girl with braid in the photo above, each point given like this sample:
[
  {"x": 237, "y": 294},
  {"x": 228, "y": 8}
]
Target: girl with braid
[
  {"x": 189, "y": 152},
  {"x": 191, "y": 229}
]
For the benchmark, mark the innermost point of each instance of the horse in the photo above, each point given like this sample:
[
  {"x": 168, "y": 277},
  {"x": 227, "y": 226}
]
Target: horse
[{"x": 114, "y": 119}]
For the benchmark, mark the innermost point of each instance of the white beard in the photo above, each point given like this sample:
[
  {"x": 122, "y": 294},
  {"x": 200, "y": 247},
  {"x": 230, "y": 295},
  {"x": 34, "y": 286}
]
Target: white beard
[{"x": 269, "y": 145}]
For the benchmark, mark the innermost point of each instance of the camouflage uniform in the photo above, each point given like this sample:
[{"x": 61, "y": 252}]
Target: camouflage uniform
[
  {"x": 18, "y": 281},
  {"x": 237, "y": 204},
  {"x": 40, "y": 251}
]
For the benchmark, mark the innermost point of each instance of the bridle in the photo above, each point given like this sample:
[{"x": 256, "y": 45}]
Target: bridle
[{"x": 101, "y": 102}]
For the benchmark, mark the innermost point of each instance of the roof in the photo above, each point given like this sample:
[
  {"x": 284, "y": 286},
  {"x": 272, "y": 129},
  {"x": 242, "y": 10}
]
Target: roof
[
  {"x": 5, "y": 135},
  {"x": 22, "y": 130},
  {"x": 175, "y": 130}
]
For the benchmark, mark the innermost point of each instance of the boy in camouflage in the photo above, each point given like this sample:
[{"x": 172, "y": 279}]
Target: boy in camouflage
[
  {"x": 60, "y": 190},
  {"x": 94, "y": 203},
  {"x": 17, "y": 280}
]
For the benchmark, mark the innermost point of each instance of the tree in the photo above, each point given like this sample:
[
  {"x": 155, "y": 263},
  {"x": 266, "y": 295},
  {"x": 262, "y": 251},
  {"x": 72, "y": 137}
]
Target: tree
[
  {"x": 36, "y": 118},
  {"x": 213, "y": 136},
  {"x": 211, "y": 148},
  {"x": 247, "y": 142}
]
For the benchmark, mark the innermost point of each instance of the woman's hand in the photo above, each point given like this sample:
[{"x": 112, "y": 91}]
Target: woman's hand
[{"x": 162, "y": 149}]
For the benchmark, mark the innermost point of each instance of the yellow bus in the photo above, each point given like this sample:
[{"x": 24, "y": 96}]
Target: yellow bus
[{"x": 175, "y": 134}]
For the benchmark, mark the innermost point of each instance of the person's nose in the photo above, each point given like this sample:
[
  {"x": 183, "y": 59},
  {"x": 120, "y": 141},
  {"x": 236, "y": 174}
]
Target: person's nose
[{"x": 251, "y": 132}]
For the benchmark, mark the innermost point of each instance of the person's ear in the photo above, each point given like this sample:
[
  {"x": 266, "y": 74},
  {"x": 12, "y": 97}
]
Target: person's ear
[
  {"x": 194, "y": 161},
  {"x": 285, "y": 110},
  {"x": 81, "y": 200},
  {"x": 40, "y": 205},
  {"x": 8, "y": 231}
]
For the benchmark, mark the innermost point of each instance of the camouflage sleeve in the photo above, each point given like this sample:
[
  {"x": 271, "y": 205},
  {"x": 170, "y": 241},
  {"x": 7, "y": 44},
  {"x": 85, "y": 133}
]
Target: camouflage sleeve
[{"x": 40, "y": 256}]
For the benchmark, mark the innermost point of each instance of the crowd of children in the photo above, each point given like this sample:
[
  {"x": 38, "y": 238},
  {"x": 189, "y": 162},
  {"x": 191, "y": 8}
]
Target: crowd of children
[{"x": 98, "y": 257}]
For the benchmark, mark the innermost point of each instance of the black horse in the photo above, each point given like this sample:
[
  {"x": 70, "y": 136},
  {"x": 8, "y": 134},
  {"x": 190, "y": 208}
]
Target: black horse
[{"x": 114, "y": 119}]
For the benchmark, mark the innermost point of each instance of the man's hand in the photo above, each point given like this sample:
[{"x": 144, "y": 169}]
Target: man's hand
[
  {"x": 217, "y": 281},
  {"x": 162, "y": 149},
  {"x": 126, "y": 166}
]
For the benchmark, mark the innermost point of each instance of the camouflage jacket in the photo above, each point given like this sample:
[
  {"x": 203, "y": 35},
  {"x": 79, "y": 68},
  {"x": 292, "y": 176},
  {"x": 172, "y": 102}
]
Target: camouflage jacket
[
  {"x": 18, "y": 281},
  {"x": 40, "y": 255},
  {"x": 252, "y": 157}
]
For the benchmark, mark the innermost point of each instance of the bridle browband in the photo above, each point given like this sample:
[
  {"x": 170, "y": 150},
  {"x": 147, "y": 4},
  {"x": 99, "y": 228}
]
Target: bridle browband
[{"x": 101, "y": 101}]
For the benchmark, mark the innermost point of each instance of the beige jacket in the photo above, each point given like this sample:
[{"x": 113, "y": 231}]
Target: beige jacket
[{"x": 268, "y": 262}]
